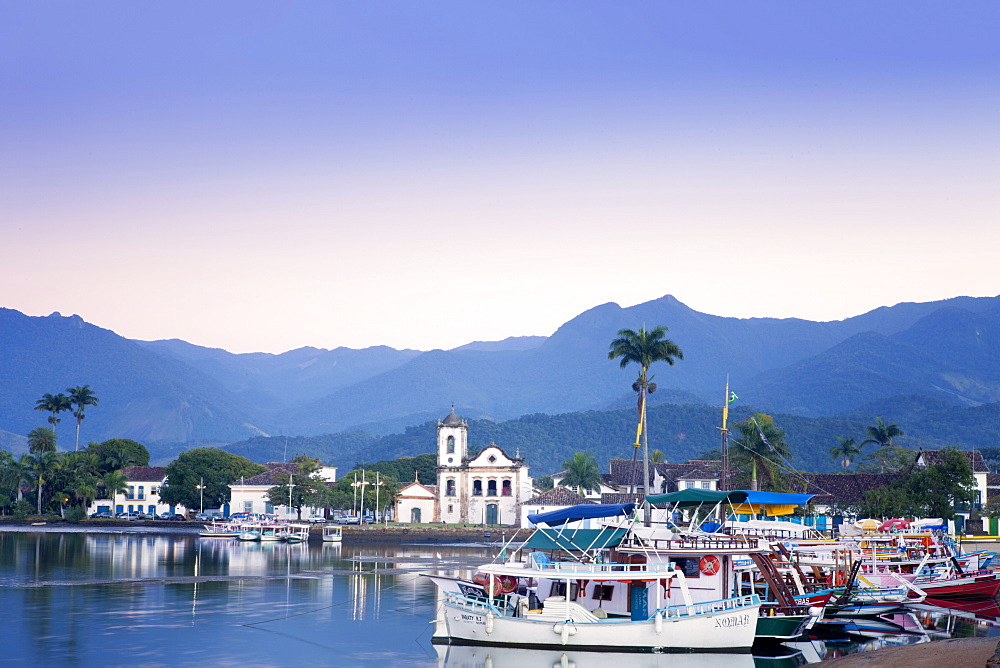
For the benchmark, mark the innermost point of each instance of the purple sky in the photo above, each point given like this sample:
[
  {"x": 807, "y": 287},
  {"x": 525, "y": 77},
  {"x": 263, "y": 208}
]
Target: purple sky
[{"x": 262, "y": 176}]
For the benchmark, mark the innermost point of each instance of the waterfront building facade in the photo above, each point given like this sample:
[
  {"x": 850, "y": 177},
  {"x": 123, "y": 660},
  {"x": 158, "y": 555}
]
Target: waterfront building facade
[{"x": 485, "y": 488}]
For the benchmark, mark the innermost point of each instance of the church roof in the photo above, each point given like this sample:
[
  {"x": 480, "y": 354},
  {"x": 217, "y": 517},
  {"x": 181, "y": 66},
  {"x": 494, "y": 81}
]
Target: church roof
[{"x": 452, "y": 420}]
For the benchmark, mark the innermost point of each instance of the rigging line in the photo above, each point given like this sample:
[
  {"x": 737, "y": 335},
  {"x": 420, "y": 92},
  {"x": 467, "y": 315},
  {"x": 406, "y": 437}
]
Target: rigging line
[{"x": 795, "y": 472}]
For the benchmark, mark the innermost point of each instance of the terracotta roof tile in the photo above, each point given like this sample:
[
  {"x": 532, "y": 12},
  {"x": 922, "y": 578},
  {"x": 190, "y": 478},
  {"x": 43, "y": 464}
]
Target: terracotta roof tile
[
  {"x": 145, "y": 473},
  {"x": 976, "y": 461},
  {"x": 558, "y": 496}
]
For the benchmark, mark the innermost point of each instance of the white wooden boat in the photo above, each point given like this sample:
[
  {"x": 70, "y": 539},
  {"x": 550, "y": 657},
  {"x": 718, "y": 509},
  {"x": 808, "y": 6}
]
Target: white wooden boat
[
  {"x": 332, "y": 533},
  {"x": 566, "y": 619},
  {"x": 219, "y": 530},
  {"x": 249, "y": 533},
  {"x": 295, "y": 533}
]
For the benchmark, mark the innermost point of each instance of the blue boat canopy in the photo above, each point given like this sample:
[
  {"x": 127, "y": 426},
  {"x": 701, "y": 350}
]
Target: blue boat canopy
[
  {"x": 775, "y": 498},
  {"x": 583, "y": 511}
]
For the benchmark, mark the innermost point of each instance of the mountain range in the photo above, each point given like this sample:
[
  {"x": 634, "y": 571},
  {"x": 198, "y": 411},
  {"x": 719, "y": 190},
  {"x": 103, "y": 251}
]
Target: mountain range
[{"x": 174, "y": 394}]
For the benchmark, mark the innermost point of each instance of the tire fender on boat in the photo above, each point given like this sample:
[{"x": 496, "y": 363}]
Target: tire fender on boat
[
  {"x": 489, "y": 623},
  {"x": 658, "y": 622}
]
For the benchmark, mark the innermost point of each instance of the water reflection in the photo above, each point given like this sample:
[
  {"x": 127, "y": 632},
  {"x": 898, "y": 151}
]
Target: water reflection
[
  {"x": 115, "y": 599},
  {"x": 509, "y": 657}
]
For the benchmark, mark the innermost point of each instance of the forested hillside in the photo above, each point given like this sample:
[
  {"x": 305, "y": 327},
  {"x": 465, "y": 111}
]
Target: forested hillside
[{"x": 681, "y": 432}]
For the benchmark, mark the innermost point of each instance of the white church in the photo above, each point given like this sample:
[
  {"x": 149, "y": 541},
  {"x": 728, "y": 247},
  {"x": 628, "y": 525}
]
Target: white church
[{"x": 487, "y": 488}]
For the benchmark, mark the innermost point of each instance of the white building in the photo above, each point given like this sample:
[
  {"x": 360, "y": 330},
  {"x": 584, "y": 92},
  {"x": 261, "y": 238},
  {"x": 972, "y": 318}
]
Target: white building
[
  {"x": 487, "y": 488},
  {"x": 142, "y": 493},
  {"x": 250, "y": 495},
  {"x": 416, "y": 503}
]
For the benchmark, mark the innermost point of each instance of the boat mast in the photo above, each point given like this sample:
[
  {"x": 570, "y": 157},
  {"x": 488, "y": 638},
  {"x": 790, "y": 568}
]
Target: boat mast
[{"x": 724, "y": 483}]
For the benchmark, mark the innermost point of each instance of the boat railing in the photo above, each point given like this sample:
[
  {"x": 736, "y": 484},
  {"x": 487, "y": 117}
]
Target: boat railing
[
  {"x": 709, "y": 607},
  {"x": 594, "y": 568},
  {"x": 694, "y": 543},
  {"x": 481, "y": 604}
]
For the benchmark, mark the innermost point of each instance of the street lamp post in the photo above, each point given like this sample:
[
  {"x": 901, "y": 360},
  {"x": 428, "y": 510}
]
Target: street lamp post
[
  {"x": 364, "y": 481},
  {"x": 201, "y": 494}
]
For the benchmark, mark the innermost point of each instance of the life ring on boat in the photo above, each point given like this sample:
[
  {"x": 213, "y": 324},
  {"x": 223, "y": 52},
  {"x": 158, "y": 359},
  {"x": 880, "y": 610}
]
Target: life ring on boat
[
  {"x": 483, "y": 580},
  {"x": 508, "y": 584},
  {"x": 926, "y": 541},
  {"x": 709, "y": 565}
]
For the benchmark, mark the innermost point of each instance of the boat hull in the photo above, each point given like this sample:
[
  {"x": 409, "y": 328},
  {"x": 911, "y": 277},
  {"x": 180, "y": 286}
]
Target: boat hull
[
  {"x": 725, "y": 631},
  {"x": 782, "y": 627},
  {"x": 964, "y": 589}
]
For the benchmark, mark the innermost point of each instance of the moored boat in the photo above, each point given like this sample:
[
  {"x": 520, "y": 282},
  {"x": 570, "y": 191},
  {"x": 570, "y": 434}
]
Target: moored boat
[
  {"x": 332, "y": 533},
  {"x": 590, "y": 597}
]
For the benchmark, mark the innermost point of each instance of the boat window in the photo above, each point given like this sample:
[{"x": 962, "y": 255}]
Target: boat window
[
  {"x": 603, "y": 592},
  {"x": 559, "y": 589},
  {"x": 689, "y": 566}
]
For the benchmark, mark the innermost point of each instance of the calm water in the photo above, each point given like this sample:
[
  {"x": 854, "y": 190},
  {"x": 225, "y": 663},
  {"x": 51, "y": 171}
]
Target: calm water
[{"x": 157, "y": 599}]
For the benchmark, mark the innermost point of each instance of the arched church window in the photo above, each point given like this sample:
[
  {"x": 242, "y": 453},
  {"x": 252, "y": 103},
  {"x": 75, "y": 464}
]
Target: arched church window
[
  {"x": 506, "y": 488},
  {"x": 450, "y": 488},
  {"x": 491, "y": 488},
  {"x": 451, "y": 445},
  {"x": 477, "y": 488}
]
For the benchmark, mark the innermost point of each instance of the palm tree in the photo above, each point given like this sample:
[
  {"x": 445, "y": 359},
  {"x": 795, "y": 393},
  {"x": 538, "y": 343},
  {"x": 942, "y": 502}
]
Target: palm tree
[
  {"x": 657, "y": 457},
  {"x": 15, "y": 474},
  {"x": 845, "y": 452},
  {"x": 882, "y": 434},
  {"x": 41, "y": 439},
  {"x": 761, "y": 446},
  {"x": 114, "y": 482},
  {"x": 54, "y": 404},
  {"x": 582, "y": 472},
  {"x": 22, "y": 473},
  {"x": 644, "y": 348},
  {"x": 45, "y": 466},
  {"x": 80, "y": 397}
]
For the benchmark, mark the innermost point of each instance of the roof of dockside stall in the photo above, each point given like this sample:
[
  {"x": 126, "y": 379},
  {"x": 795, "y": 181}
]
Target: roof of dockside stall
[
  {"x": 696, "y": 497},
  {"x": 583, "y": 511}
]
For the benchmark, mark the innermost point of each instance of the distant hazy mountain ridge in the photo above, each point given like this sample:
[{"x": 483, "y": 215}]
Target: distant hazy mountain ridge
[{"x": 173, "y": 392}]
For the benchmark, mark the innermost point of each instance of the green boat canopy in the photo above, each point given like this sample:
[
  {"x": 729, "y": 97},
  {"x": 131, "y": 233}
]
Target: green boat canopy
[
  {"x": 690, "y": 497},
  {"x": 576, "y": 540},
  {"x": 695, "y": 497}
]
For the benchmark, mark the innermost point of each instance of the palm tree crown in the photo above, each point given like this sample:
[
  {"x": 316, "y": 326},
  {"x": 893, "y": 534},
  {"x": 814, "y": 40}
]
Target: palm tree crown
[
  {"x": 643, "y": 348},
  {"x": 882, "y": 434},
  {"x": 845, "y": 452},
  {"x": 582, "y": 472},
  {"x": 41, "y": 439},
  {"x": 54, "y": 404},
  {"x": 80, "y": 397}
]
